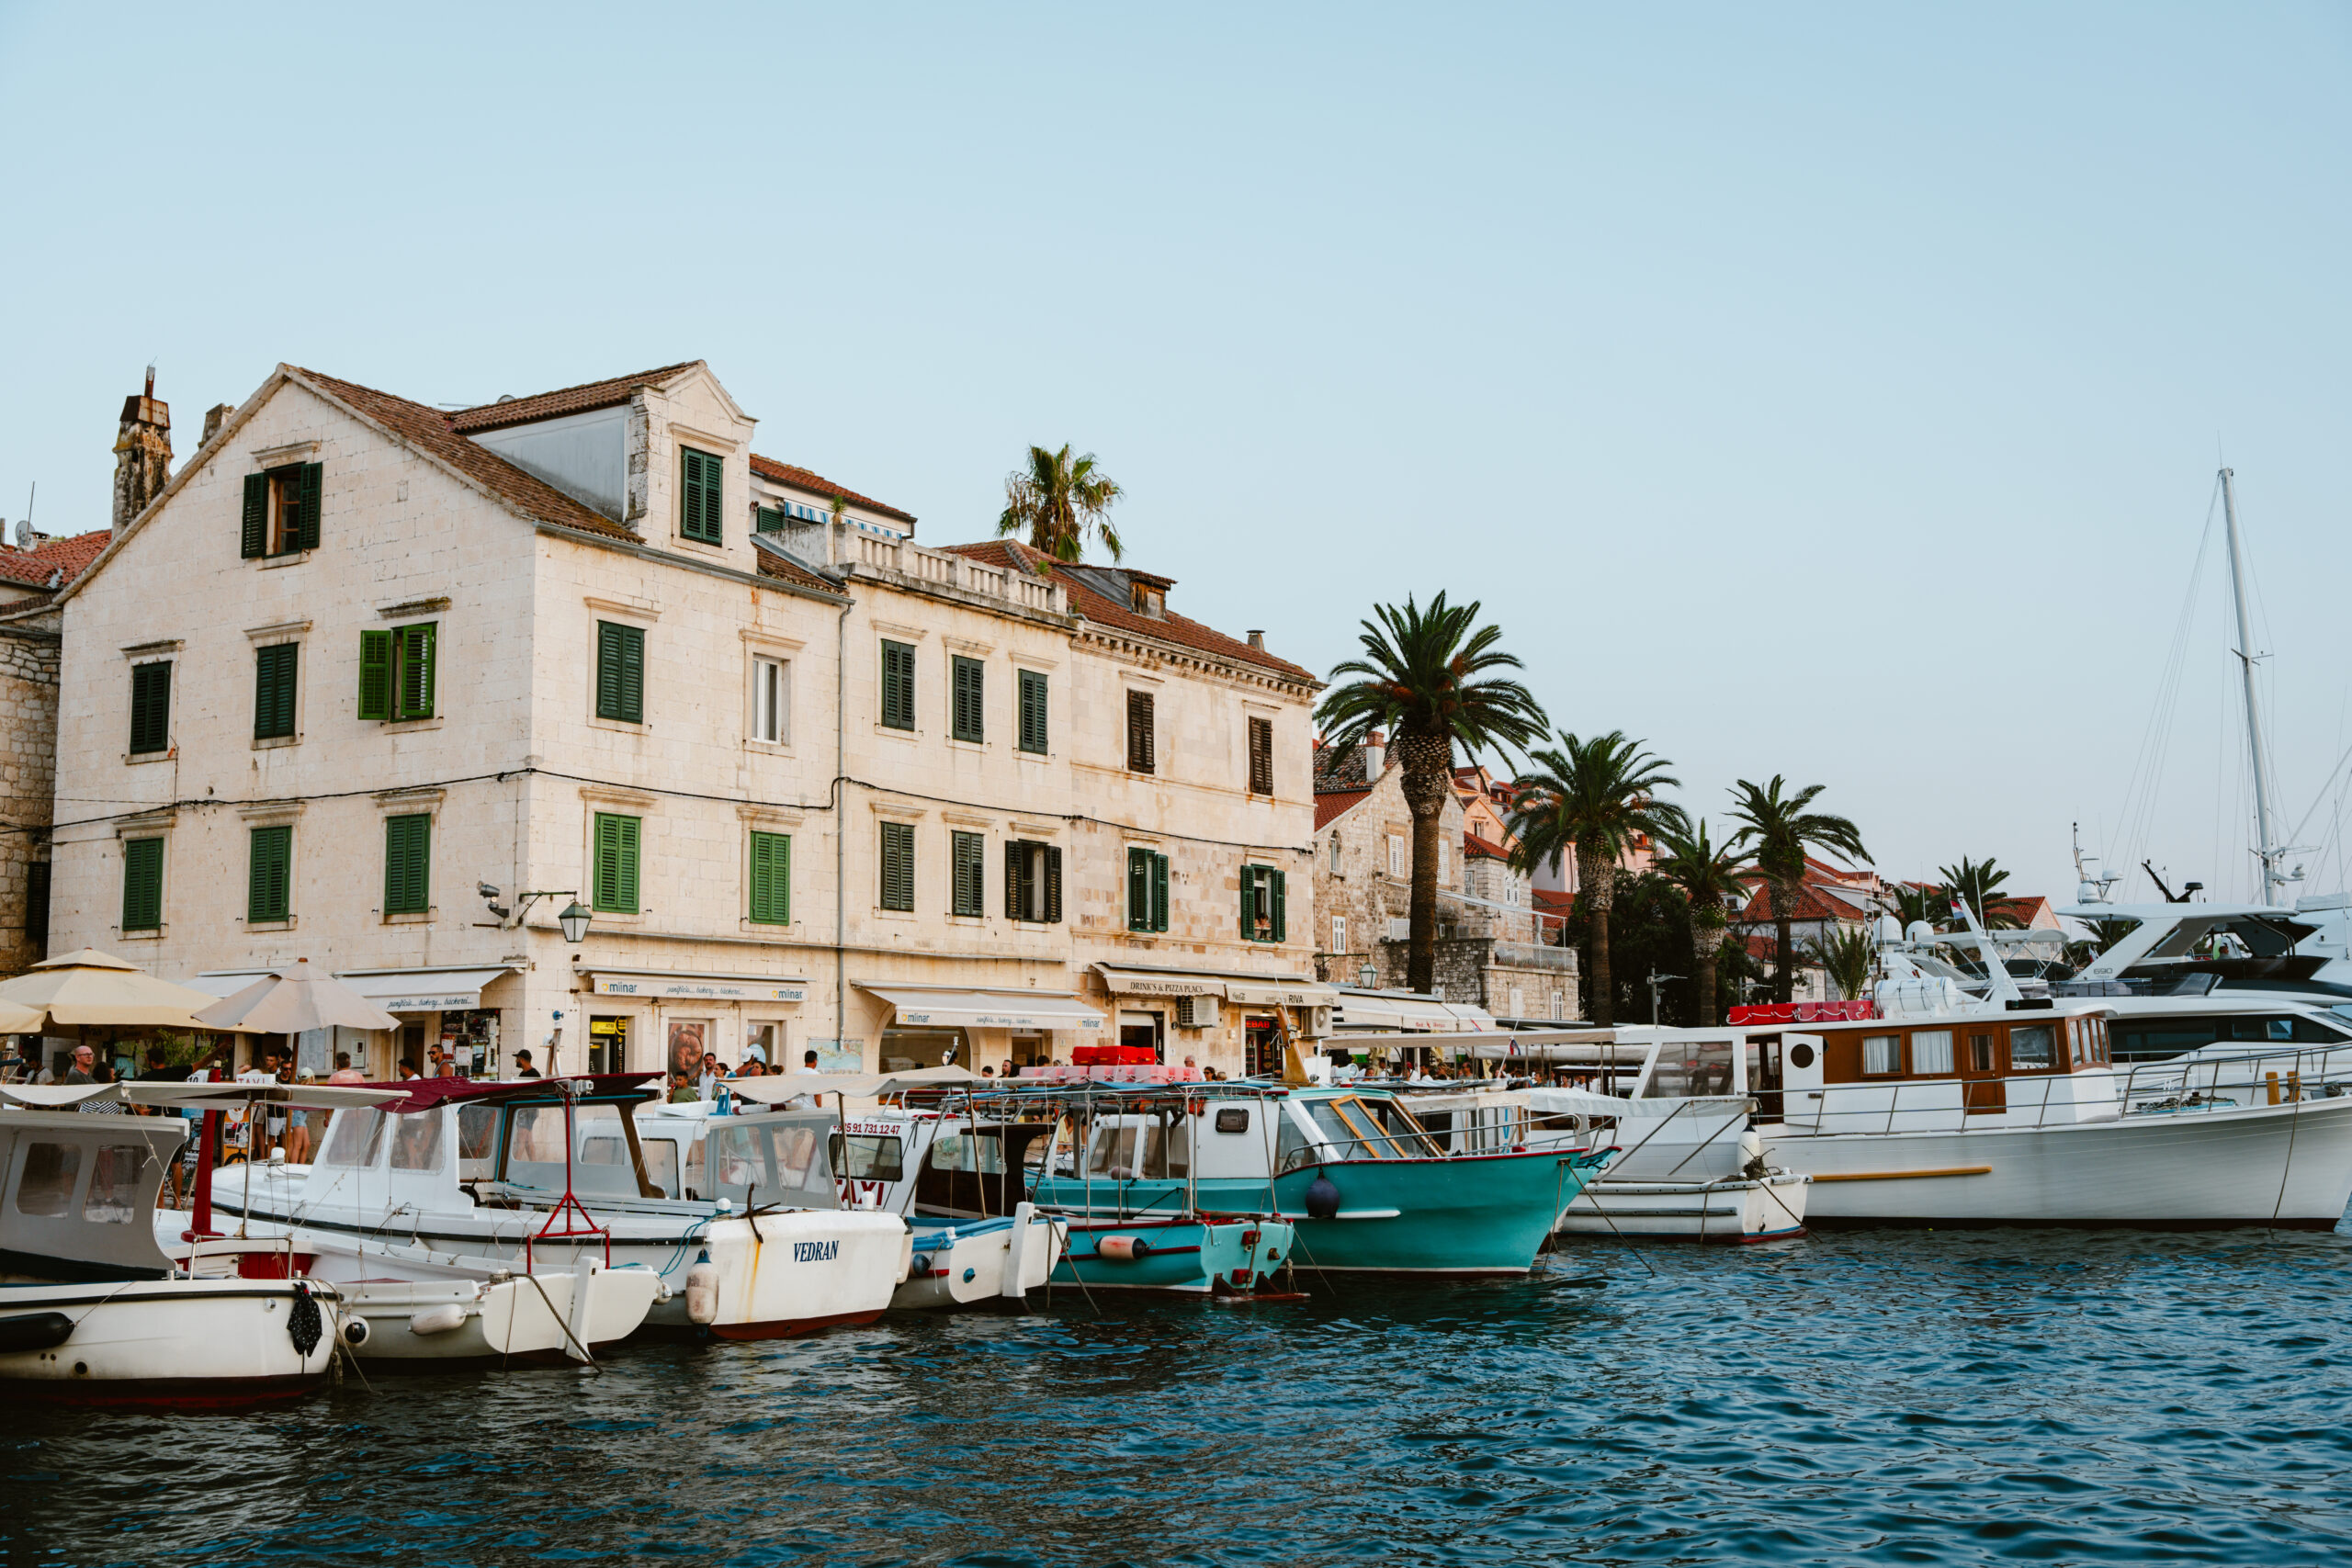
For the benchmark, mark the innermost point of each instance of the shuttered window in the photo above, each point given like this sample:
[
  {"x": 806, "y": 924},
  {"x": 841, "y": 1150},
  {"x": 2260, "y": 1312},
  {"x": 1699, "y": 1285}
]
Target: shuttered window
[
  {"x": 767, "y": 519},
  {"x": 252, "y": 539},
  {"x": 281, "y": 510},
  {"x": 1147, "y": 891},
  {"x": 703, "y": 496},
  {"x": 1264, "y": 904},
  {"x": 1033, "y": 735},
  {"x": 1033, "y": 882},
  {"x": 1139, "y": 748},
  {"x": 142, "y": 885},
  {"x": 899, "y": 684},
  {"x": 772, "y": 879},
  {"x": 1261, "y": 756},
  {"x": 269, "y": 882},
  {"x": 970, "y": 699},
  {"x": 275, "y": 668},
  {"x": 408, "y": 863},
  {"x": 615, "y": 881},
  {"x": 396, "y": 675},
  {"x": 968, "y": 854},
  {"x": 620, "y": 673},
  {"x": 300, "y": 531},
  {"x": 898, "y": 841},
  {"x": 151, "y": 706}
]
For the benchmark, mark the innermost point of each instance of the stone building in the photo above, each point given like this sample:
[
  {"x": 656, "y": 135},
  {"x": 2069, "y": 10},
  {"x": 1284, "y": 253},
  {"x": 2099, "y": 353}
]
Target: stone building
[{"x": 399, "y": 686}]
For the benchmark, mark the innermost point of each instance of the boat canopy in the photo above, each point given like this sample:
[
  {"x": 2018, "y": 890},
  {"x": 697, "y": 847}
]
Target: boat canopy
[
  {"x": 424, "y": 1094},
  {"x": 79, "y": 1196},
  {"x": 774, "y": 1090}
]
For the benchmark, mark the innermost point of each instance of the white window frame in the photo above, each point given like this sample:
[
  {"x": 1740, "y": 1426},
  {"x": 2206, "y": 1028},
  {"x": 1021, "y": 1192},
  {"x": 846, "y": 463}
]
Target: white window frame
[
  {"x": 1339, "y": 933},
  {"x": 771, "y": 679},
  {"x": 1397, "y": 854}
]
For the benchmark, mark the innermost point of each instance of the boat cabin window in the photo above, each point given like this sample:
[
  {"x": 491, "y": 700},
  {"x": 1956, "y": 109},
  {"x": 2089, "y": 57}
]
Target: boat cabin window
[
  {"x": 690, "y": 1179},
  {"x": 1980, "y": 1052},
  {"x": 477, "y": 1141},
  {"x": 766, "y": 1161},
  {"x": 957, "y": 1151},
  {"x": 535, "y": 1149},
  {"x": 416, "y": 1142},
  {"x": 1701, "y": 1066},
  {"x": 355, "y": 1137},
  {"x": 1357, "y": 1133},
  {"x": 1133, "y": 1149},
  {"x": 115, "y": 1179},
  {"x": 1931, "y": 1051},
  {"x": 863, "y": 1157},
  {"x": 45, "y": 1189},
  {"x": 2032, "y": 1046},
  {"x": 1232, "y": 1118},
  {"x": 1292, "y": 1147},
  {"x": 1882, "y": 1053},
  {"x": 660, "y": 1163}
]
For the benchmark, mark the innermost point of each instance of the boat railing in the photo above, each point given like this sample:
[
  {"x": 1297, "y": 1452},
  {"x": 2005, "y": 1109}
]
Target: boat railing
[{"x": 2216, "y": 1083}]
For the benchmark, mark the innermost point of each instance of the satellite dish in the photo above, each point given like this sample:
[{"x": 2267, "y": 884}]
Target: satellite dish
[{"x": 1919, "y": 933}]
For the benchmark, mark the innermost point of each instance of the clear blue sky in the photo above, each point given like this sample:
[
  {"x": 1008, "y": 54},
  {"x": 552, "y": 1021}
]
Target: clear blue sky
[{"x": 1829, "y": 392}]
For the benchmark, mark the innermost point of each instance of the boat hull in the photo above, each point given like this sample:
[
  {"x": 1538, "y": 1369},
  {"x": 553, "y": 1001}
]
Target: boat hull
[
  {"x": 536, "y": 1318},
  {"x": 1729, "y": 1211},
  {"x": 2287, "y": 1166},
  {"x": 1471, "y": 1216},
  {"x": 963, "y": 1263},
  {"x": 208, "y": 1344},
  {"x": 1180, "y": 1255}
]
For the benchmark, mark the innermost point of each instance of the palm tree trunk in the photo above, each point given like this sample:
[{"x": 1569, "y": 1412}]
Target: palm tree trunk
[
  {"x": 1427, "y": 762},
  {"x": 1784, "y": 903},
  {"x": 1704, "y": 945},
  {"x": 1596, "y": 880}
]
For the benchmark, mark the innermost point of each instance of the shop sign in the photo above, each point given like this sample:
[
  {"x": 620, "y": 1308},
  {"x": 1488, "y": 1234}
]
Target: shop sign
[{"x": 701, "y": 989}]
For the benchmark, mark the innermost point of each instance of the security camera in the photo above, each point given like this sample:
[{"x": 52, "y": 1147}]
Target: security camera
[{"x": 486, "y": 890}]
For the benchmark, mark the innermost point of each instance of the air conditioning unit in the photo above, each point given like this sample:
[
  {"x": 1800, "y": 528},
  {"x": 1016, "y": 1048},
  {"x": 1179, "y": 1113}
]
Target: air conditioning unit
[
  {"x": 1196, "y": 1012},
  {"x": 1318, "y": 1022},
  {"x": 1400, "y": 928}
]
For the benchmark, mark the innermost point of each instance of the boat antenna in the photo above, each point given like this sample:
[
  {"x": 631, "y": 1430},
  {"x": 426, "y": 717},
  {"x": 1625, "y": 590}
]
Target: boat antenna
[{"x": 2268, "y": 850}]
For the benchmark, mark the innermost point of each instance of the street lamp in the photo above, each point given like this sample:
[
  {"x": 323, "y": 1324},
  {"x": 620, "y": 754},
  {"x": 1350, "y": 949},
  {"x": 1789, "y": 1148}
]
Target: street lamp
[
  {"x": 1657, "y": 980},
  {"x": 574, "y": 921},
  {"x": 1366, "y": 973}
]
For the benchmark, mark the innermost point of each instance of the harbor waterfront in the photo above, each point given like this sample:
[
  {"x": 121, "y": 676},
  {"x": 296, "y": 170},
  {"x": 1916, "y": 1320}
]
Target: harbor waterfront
[{"x": 1937, "y": 1397}]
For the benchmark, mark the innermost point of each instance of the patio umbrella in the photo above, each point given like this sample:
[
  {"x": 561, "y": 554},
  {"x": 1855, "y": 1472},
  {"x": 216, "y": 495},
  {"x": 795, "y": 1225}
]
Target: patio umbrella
[
  {"x": 291, "y": 1000},
  {"x": 101, "y": 991}
]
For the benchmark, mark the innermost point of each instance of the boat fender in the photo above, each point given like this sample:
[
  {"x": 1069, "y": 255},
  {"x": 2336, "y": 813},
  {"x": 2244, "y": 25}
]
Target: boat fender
[
  {"x": 1751, "y": 1156},
  {"x": 306, "y": 1325},
  {"x": 355, "y": 1331},
  {"x": 442, "y": 1319},
  {"x": 35, "y": 1331},
  {"x": 1124, "y": 1249},
  {"x": 1322, "y": 1197},
  {"x": 702, "y": 1292}
]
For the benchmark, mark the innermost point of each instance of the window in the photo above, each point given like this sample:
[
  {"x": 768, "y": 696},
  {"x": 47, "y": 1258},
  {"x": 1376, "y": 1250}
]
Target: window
[
  {"x": 1931, "y": 1051},
  {"x": 1033, "y": 712},
  {"x": 408, "y": 864},
  {"x": 969, "y": 853},
  {"x": 1440, "y": 862},
  {"x": 1340, "y": 934},
  {"x": 2029, "y": 1047},
  {"x": 1559, "y": 1005},
  {"x": 771, "y": 700},
  {"x": 1397, "y": 854},
  {"x": 767, "y": 519},
  {"x": 1147, "y": 891},
  {"x": 142, "y": 885},
  {"x": 700, "y": 495},
  {"x": 273, "y": 669},
  {"x": 620, "y": 673},
  {"x": 868, "y": 1157},
  {"x": 898, "y": 684},
  {"x": 1335, "y": 854},
  {"x": 897, "y": 865},
  {"x": 281, "y": 511},
  {"x": 45, "y": 1186},
  {"x": 117, "y": 1176},
  {"x": 396, "y": 673},
  {"x": 1033, "y": 882},
  {"x": 968, "y": 721},
  {"x": 1263, "y": 901},
  {"x": 614, "y": 882},
  {"x": 270, "y": 863},
  {"x": 151, "y": 706},
  {"x": 1882, "y": 1053},
  {"x": 1980, "y": 1052},
  {"x": 1261, "y": 756},
  {"x": 1139, "y": 758},
  {"x": 772, "y": 879}
]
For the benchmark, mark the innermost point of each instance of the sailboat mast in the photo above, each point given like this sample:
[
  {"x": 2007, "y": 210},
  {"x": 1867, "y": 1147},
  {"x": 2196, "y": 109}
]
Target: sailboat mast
[{"x": 2269, "y": 851}]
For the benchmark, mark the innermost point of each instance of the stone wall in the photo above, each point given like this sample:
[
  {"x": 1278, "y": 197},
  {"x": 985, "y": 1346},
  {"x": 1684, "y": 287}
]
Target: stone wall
[
  {"x": 1481, "y": 970},
  {"x": 29, "y": 650}
]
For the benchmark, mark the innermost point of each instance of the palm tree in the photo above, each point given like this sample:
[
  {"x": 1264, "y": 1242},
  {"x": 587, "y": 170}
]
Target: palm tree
[
  {"x": 1426, "y": 676},
  {"x": 1926, "y": 902},
  {"x": 1591, "y": 798},
  {"x": 1711, "y": 876},
  {"x": 1847, "y": 955},
  {"x": 1060, "y": 500},
  {"x": 1980, "y": 885},
  {"x": 1780, "y": 827}
]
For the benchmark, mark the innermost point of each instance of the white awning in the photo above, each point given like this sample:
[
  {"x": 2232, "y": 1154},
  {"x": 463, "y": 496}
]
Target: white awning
[
  {"x": 225, "y": 983},
  {"x": 686, "y": 985},
  {"x": 926, "y": 1008},
  {"x": 1248, "y": 990},
  {"x": 1357, "y": 1011},
  {"x": 420, "y": 991}
]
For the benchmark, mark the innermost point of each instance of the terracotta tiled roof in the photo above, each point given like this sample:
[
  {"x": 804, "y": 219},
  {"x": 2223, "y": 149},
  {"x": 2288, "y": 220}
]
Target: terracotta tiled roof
[
  {"x": 1332, "y": 803},
  {"x": 2032, "y": 913},
  {"x": 1351, "y": 774},
  {"x": 1552, "y": 902},
  {"x": 1473, "y": 845},
  {"x": 70, "y": 556},
  {"x": 1094, "y": 606},
  {"x": 785, "y": 570},
  {"x": 817, "y": 484},
  {"x": 1812, "y": 904},
  {"x": 583, "y": 398}
]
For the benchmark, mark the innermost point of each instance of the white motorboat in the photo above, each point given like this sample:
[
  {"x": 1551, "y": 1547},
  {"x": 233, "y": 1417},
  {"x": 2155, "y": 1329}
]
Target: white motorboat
[
  {"x": 465, "y": 1180},
  {"x": 552, "y": 1315}
]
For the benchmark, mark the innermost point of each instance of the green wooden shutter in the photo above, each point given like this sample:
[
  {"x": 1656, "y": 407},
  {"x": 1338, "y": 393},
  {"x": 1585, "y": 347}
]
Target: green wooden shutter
[
  {"x": 714, "y": 473},
  {"x": 700, "y": 507},
  {"x": 269, "y": 862},
  {"x": 1249, "y": 901},
  {"x": 620, "y": 673},
  {"x": 1159, "y": 893},
  {"x": 898, "y": 841},
  {"x": 1033, "y": 711},
  {"x": 768, "y": 520},
  {"x": 970, "y": 704},
  {"x": 897, "y": 685},
  {"x": 1139, "y": 890},
  {"x": 274, "y": 674},
  {"x": 304, "y": 534},
  {"x": 142, "y": 885},
  {"x": 1053, "y": 884},
  {"x": 408, "y": 863},
  {"x": 970, "y": 854},
  {"x": 1016, "y": 858},
  {"x": 616, "y": 841},
  {"x": 252, "y": 540},
  {"x": 412, "y": 687},
  {"x": 374, "y": 674},
  {"x": 151, "y": 706},
  {"x": 772, "y": 879},
  {"x": 1281, "y": 900}
]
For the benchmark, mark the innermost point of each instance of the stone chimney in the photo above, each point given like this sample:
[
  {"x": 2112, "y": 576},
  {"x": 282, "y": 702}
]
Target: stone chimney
[
  {"x": 1376, "y": 756},
  {"x": 143, "y": 453},
  {"x": 1258, "y": 640},
  {"x": 214, "y": 418}
]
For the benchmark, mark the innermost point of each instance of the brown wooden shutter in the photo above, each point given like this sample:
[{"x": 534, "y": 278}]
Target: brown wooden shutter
[{"x": 1139, "y": 749}]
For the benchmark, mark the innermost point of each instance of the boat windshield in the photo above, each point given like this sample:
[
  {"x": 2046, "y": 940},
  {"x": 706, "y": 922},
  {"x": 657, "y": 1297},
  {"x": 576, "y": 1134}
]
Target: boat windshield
[
  {"x": 1352, "y": 1127},
  {"x": 773, "y": 1162},
  {"x": 1132, "y": 1148},
  {"x": 535, "y": 1149},
  {"x": 1685, "y": 1069},
  {"x": 355, "y": 1137}
]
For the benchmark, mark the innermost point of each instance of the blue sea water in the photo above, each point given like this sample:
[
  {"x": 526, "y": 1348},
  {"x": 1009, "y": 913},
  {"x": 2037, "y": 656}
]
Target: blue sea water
[{"x": 1898, "y": 1397}]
